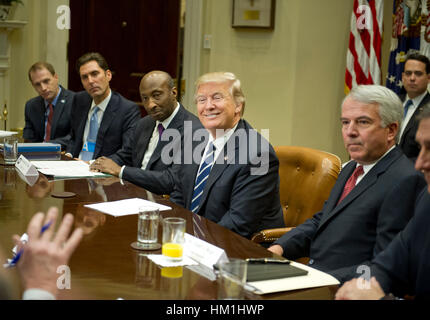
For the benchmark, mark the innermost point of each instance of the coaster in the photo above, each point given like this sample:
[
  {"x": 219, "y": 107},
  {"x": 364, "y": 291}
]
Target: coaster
[
  {"x": 63, "y": 194},
  {"x": 148, "y": 246}
]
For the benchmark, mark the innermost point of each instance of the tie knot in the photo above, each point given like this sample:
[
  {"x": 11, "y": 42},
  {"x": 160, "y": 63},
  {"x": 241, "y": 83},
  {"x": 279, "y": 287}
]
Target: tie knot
[
  {"x": 358, "y": 171},
  {"x": 407, "y": 105}
]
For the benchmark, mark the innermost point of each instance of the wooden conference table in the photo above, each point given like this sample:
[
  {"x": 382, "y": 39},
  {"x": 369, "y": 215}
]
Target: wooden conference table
[{"x": 104, "y": 266}]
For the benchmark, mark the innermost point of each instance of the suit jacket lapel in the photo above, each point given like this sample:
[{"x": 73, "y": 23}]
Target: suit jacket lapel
[
  {"x": 176, "y": 123},
  {"x": 418, "y": 110},
  {"x": 225, "y": 158},
  {"x": 58, "y": 110},
  {"x": 40, "y": 114},
  {"x": 143, "y": 141},
  {"x": 369, "y": 179},
  {"x": 108, "y": 116}
]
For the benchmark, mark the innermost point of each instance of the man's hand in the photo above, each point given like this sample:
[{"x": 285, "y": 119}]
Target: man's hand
[
  {"x": 276, "y": 249},
  {"x": 45, "y": 252},
  {"x": 106, "y": 165},
  {"x": 360, "y": 289}
]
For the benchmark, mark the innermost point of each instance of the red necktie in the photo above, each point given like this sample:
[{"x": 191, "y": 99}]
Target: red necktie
[
  {"x": 350, "y": 184},
  {"x": 49, "y": 122}
]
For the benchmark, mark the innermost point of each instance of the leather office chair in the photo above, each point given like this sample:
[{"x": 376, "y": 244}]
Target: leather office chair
[{"x": 307, "y": 177}]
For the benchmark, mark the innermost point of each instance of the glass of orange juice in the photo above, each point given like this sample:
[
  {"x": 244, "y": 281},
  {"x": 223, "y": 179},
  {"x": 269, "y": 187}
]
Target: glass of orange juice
[{"x": 173, "y": 238}]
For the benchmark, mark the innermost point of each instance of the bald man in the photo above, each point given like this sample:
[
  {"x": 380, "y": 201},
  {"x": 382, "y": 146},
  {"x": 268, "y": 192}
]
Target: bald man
[{"x": 158, "y": 94}]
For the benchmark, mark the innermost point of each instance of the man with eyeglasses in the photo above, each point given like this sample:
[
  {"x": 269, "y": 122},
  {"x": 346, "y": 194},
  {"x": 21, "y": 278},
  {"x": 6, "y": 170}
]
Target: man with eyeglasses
[{"x": 415, "y": 78}]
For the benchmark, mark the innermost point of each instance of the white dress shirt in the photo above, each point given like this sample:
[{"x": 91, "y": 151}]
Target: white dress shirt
[
  {"x": 415, "y": 103},
  {"x": 102, "y": 107},
  {"x": 154, "y": 140}
]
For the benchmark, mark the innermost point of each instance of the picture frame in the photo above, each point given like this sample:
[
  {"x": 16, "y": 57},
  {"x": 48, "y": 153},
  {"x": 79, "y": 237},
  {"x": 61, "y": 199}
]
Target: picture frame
[{"x": 253, "y": 14}]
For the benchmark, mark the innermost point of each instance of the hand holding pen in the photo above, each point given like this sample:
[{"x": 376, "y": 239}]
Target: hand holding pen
[{"x": 46, "y": 251}]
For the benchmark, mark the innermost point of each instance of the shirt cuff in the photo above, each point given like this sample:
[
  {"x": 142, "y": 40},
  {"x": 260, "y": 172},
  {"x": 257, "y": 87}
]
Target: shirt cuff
[
  {"x": 37, "y": 294},
  {"x": 120, "y": 173}
]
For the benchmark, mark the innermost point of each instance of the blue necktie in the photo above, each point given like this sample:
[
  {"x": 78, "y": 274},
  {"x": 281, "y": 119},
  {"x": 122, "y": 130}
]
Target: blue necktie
[
  {"x": 407, "y": 105},
  {"x": 202, "y": 177},
  {"x": 88, "y": 150}
]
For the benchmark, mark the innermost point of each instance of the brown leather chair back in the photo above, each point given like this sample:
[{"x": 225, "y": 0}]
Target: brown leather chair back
[{"x": 307, "y": 177}]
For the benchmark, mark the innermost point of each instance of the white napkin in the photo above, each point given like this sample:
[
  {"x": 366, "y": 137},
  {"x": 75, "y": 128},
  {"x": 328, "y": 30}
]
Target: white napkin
[{"x": 161, "y": 260}]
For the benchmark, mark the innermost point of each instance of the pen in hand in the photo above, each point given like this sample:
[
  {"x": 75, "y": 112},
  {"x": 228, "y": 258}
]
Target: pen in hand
[{"x": 18, "y": 255}]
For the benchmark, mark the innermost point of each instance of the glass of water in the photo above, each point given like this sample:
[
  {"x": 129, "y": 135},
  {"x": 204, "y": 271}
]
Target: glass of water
[
  {"x": 147, "y": 229},
  {"x": 10, "y": 150}
]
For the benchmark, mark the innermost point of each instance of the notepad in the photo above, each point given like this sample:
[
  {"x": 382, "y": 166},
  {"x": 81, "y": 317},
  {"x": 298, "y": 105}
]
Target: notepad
[{"x": 269, "y": 271}]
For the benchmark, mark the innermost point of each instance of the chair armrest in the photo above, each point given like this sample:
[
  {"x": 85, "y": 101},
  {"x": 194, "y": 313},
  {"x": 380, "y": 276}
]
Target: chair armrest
[{"x": 269, "y": 235}]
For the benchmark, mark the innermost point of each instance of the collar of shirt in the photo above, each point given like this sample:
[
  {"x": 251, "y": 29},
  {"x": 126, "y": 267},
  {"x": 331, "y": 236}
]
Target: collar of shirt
[
  {"x": 169, "y": 119},
  {"x": 368, "y": 167},
  {"x": 220, "y": 141},
  {"x": 102, "y": 105},
  {"x": 54, "y": 102},
  {"x": 415, "y": 103}
]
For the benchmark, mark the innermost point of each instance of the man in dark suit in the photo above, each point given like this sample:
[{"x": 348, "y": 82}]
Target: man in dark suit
[
  {"x": 415, "y": 78},
  {"x": 403, "y": 267},
  {"x": 158, "y": 94},
  {"x": 47, "y": 117},
  {"x": 228, "y": 172},
  {"x": 374, "y": 195},
  {"x": 103, "y": 121}
]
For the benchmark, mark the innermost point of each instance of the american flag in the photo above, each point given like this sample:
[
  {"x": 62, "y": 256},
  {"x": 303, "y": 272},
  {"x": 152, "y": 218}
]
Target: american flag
[{"x": 363, "y": 59}]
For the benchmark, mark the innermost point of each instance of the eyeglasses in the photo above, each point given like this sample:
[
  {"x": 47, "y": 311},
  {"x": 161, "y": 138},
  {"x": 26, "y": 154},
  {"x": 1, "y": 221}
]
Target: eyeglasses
[{"x": 217, "y": 97}]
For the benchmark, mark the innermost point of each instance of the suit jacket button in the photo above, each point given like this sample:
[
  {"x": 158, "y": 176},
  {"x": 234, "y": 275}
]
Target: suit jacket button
[{"x": 311, "y": 261}]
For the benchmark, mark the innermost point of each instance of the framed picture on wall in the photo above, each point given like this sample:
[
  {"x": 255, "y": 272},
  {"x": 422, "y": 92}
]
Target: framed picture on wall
[{"x": 253, "y": 14}]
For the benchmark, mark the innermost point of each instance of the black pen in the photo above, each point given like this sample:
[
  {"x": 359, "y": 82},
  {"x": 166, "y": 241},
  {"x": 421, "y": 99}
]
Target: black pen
[{"x": 267, "y": 260}]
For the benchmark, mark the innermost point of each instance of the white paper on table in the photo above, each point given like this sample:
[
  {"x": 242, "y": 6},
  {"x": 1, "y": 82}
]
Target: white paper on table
[
  {"x": 125, "y": 207},
  {"x": 166, "y": 262},
  {"x": 4, "y": 134},
  {"x": 69, "y": 169},
  {"x": 313, "y": 279}
]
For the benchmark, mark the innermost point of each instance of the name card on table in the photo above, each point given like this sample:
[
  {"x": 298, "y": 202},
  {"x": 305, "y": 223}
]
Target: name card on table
[
  {"x": 203, "y": 252},
  {"x": 25, "y": 167}
]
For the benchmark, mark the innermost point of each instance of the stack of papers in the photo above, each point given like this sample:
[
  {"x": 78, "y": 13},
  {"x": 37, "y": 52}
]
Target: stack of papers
[{"x": 67, "y": 169}]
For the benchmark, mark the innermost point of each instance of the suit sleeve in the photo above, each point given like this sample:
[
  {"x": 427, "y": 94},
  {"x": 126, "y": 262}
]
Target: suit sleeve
[
  {"x": 297, "y": 242},
  {"x": 252, "y": 195},
  {"x": 159, "y": 182},
  {"x": 394, "y": 214},
  {"x": 128, "y": 126}
]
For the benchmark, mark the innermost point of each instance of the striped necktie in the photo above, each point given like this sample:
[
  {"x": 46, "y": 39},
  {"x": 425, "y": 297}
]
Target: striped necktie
[{"x": 202, "y": 177}]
